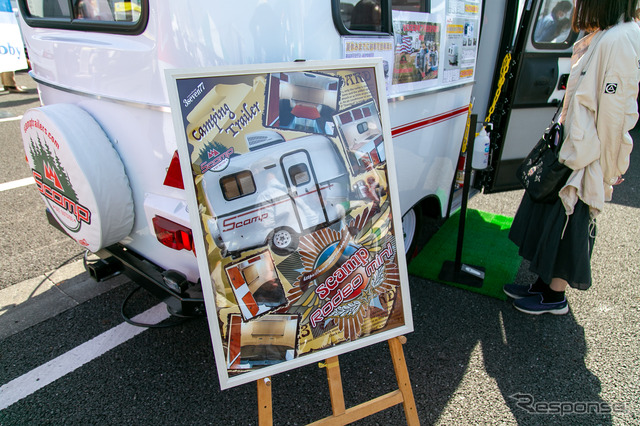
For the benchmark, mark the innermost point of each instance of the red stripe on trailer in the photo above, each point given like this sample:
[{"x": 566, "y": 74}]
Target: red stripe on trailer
[{"x": 429, "y": 121}]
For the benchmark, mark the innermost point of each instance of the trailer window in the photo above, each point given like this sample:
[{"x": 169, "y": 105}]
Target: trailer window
[
  {"x": 237, "y": 185},
  {"x": 49, "y": 9},
  {"x": 361, "y": 15},
  {"x": 358, "y": 17},
  {"x": 118, "y": 16},
  {"x": 412, "y": 5},
  {"x": 370, "y": 17},
  {"x": 299, "y": 174},
  {"x": 553, "y": 25}
]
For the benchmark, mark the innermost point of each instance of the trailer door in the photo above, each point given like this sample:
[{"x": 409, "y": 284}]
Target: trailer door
[
  {"x": 534, "y": 84},
  {"x": 303, "y": 188}
]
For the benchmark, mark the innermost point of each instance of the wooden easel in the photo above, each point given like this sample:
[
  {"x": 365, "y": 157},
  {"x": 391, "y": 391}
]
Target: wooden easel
[{"x": 341, "y": 415}]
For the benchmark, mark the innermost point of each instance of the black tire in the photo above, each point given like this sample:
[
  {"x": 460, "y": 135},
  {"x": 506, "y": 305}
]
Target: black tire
[
  {"x": 411, "y": 225},
  {"x": 283, "y": 241}
]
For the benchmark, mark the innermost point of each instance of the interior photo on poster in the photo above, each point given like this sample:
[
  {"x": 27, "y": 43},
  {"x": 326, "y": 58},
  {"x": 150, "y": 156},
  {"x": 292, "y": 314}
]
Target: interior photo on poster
[{"x": 293, "y": 195}]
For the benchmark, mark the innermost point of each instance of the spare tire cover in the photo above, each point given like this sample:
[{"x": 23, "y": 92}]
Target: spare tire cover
[{"x": 79, "y": 174}]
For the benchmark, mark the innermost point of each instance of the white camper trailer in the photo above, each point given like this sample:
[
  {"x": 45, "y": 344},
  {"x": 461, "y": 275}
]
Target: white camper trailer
[
  {"x": 453, "y": 54},
  {"x": 100, "y": 75},
  {"x": 276, "y": 192}
]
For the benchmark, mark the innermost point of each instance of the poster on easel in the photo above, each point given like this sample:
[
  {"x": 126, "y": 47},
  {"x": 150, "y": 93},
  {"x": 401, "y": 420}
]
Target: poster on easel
[{"x": 293, "y": 201}]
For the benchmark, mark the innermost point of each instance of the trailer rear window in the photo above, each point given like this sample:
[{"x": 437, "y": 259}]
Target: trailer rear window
[
  {"x": 118, "y": 16},
  {"x": 361, "y": 17},
  {"x": 237, "y": 185}
]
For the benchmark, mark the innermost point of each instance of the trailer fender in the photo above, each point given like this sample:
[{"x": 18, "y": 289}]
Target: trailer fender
[{"x": 78, "y": 174}]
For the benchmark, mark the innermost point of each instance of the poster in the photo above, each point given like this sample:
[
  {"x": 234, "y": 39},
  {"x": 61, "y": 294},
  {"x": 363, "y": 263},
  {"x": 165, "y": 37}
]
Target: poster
[
  {"x": 371, "y": 47},
  {"x": 417, "y": 50},
  {"x": 461, "y": 38},
  {"x": 298, "y": 233},
  {"x": 12, "y": 54}
]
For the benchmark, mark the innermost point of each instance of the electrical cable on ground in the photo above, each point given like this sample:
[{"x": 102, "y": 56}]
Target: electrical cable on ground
[{"x": 182, "y": 318}]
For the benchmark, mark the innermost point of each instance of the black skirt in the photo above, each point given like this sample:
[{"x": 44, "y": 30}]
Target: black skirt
[{"x": 555, "y": 247}]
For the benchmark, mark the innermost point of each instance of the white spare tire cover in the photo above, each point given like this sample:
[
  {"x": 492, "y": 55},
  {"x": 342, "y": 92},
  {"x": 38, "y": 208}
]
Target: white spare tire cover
[{"x": 79, "y": 174}]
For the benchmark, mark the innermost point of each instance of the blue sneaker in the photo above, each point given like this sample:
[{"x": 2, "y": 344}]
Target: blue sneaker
[
  {"x": 517, "y": 291},
  {"x": 535, "y": 305}
]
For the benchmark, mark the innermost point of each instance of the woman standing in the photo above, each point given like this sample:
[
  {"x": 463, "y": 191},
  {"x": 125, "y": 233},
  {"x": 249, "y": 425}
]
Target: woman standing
[{"x": 600, "y": 108}]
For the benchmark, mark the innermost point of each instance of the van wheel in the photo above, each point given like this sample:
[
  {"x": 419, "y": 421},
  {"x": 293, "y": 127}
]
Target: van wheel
[
  {"x": 283, "y": 241},
  {"x": 411, "y": 224}
]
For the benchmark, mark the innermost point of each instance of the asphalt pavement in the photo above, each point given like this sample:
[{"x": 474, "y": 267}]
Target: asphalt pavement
[
  {"x": 472, "y": 359},
  {"x": 29, "y": 246}
]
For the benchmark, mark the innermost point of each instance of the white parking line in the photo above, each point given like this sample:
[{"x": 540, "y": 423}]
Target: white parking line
[
  {"x": 18, "y": 118},
  {"x": 40, "y": 377},
  {"x": 16, "y": 184}
]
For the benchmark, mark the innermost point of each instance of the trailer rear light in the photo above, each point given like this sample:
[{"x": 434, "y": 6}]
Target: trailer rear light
[
  {"x": 173, "y": 235},
  {"x": 174, "y": 174}
]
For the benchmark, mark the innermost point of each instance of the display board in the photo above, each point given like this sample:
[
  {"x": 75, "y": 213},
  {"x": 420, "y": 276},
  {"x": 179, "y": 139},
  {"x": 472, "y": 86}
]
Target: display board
[
  {"x": 417, "y": 50},
  {"x": 294, "y": 208},
  {"x": 427, "y": 51},
  {"x": 462, "y": 36},
  {"x": 354, "y": 47}
]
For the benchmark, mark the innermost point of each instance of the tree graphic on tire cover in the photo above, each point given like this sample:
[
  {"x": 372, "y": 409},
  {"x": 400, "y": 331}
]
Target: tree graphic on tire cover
[{"x": 41, "y": 155}]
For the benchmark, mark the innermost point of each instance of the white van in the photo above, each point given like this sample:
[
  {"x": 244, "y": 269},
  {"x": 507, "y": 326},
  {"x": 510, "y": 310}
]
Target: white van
[
  {"x": 275, "y": 192},
  {"x": 100, "y": 71}
]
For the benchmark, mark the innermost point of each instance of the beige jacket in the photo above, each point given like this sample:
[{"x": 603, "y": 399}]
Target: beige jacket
[{"x": 600, "y": 109}]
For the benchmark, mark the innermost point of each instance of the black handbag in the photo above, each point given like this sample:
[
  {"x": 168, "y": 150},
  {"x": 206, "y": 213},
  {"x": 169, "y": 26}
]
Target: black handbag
[{"x": 541, "y": 174}]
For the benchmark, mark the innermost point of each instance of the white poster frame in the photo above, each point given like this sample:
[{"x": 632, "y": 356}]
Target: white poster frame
[{"x": 172, "y": 78}]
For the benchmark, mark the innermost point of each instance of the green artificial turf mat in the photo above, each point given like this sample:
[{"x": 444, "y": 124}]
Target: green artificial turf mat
[{"x": 486, "y": 244}]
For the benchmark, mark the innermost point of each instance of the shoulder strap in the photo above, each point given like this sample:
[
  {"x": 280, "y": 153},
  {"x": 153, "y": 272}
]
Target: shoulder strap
[{"x": 556, "y": 115}]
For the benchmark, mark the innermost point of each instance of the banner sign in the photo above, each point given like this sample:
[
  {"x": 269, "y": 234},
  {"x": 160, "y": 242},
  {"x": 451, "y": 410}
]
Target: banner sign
[
  {"x": 12, "y": 56},
  {"x": 294, "y": 208}
]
